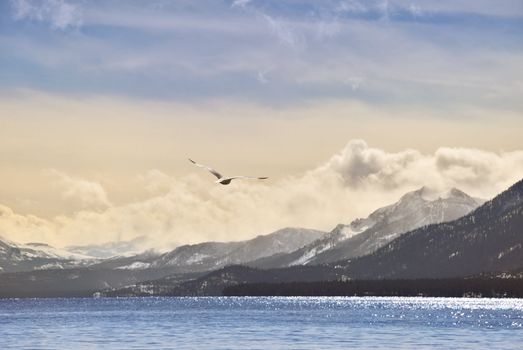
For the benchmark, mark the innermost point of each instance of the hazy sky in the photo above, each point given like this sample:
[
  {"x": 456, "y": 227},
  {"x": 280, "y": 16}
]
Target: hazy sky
[{"x": 345, "y": 105}]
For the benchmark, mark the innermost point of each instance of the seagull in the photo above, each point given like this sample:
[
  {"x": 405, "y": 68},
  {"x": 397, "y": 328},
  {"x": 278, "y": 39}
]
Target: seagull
[{"x": 225, "y": 180}]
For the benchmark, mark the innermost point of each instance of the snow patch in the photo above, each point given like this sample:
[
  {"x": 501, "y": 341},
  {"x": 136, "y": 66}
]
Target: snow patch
[
  {"x": 348, "y": 231},
  {"x": 196, "y": 258},
  {"x": 50, "y": 266},
  {"x": 137, "y": 265},
  {"x": 509, "y": 250}
]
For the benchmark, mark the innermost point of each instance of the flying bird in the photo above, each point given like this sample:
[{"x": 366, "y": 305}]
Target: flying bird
[{"x": 225, "y": 180}]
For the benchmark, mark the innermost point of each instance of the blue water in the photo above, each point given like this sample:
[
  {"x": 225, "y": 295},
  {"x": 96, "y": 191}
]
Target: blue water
[{"x": 261, "y": 323}]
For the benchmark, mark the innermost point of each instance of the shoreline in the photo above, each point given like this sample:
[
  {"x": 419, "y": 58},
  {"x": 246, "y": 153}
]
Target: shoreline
[{"x": 448, "y": 288}]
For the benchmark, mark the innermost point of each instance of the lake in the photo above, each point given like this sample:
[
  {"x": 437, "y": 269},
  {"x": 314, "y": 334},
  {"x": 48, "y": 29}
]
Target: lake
[{"x": 261, "y": 323}]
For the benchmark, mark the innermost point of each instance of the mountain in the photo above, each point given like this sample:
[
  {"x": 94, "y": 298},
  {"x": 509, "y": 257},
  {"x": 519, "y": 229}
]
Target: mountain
[
  {"x": 140, "y": 261},
  {"x": 16, "y": 257},
  {"x": 363, "y": 236},
  {"x": 490, "y": 239},
  {"x": 32, "y": 273},
  {"x": 485, "y": 242},
  {"x": 177, "y": 267},
  {"x": 213, "y": 255},
  {"x": 112, "y": 249}
]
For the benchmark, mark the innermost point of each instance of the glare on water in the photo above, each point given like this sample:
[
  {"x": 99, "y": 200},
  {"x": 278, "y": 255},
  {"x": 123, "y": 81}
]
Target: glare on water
[{"x": 261, "y": 323}]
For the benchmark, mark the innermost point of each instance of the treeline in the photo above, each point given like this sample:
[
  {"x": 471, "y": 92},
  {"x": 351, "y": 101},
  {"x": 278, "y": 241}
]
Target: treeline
[{"x": 458, "y": 287}]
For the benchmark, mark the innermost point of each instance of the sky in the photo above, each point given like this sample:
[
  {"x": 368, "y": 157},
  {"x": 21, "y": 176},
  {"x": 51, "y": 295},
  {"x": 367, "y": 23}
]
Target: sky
[{"x": 344, "y": 105}]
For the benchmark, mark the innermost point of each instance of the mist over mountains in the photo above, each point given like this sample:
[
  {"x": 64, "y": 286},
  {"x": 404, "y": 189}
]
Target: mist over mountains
[
  {"x": 171, "y": 210},
  {"x": 485, "y": 243},
  {"x": 425, "y": 234},
  {"x": 111, "y": 249}
]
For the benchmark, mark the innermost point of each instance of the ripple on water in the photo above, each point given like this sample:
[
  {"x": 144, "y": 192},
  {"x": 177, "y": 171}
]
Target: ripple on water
[{"x": 261, "y": 323}]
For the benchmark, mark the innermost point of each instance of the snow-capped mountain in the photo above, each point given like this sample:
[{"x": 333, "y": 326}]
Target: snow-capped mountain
[
  {"x": 132, "y": 262},
  {"x": 112, "y": 249},
  {"x": 16, "y": 257},
  {"x": 490, "y": 239},
  {"x": 213, "y": 255},
  {"x": 363, "y": 236},
  {"x": 188, "y": 258},
  {"x": 486, "y": 242}
]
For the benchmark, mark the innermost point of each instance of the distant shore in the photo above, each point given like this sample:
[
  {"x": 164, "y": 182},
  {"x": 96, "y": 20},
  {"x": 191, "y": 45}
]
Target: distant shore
[{"x": 455, "y": 287}]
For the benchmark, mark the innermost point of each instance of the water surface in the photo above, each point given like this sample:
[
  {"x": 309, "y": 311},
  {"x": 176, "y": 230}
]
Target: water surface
[{"x": 261, "y": 323}]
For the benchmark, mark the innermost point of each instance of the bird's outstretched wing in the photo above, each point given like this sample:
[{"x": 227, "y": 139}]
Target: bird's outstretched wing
[
  {"x": 211, "y": 170},
  {"x": 249, "y": 177}
]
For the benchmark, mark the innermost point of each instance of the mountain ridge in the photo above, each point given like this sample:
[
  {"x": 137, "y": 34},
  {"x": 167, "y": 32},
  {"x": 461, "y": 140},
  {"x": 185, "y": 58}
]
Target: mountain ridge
[
  {"x": 491, "y": 240},
  {"x": 492, "y": 234},
  {"x": 365, "y": 235}
]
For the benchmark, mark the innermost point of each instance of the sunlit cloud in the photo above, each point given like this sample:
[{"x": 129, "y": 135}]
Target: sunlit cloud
[
  {"x": 87, "y": 194},
  {"x": 113, "y": 96},
  {"x": 191, "y": 209}
]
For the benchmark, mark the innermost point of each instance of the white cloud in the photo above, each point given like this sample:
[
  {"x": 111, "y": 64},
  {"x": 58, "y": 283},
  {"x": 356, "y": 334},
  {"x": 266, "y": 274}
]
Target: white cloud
[
  {"x": 60, "y": 14},
  {"x": 87, "y": 194},
  {"x": 350, "y": 184},
  {"x": 354, "y": 82},
  {"x": 415, "y": 10},
  {"x": 351, "y": 6},
  {"x": 262, "y": 78},
  {"x": 503, "y": 8},
  {"x": 281, "y": 28},
  {"x": 283, "y": 31},
  {"x": 240, "y": 3},
  {"x": 481, "y": 173}
]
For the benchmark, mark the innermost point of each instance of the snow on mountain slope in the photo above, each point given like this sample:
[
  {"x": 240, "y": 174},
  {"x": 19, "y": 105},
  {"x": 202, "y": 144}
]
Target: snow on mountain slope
[
  {"x": 212, "y": 255},
  {"x": 36, "y": 256},
  {"x": 487, "y": 240},
  {"x": 363, "y": 236},
  {"x": 45, "y": 250}
]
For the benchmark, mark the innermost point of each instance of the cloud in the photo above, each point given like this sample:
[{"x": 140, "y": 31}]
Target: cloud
[
  {"x": 283, "y": 31},
  {"x": 155, "y": 182},
  {"x": 360, "y": 165},
  {"x": 86, "y": 194},
  {"x": 190, "y": 209},
  {"x": 354, "y": 82},
  {"x": 351, "y": 6},
  {"x": 478, "y": 172},
  {"x": 240, "y": 3},
  {"x": 327, "y": 29},
  {"x": 60, "y": 14},
  {"x": 416, "y": 10},
  {"x": 262, "y": 77},
  {"x": 281, "y": 28},
  {"x": 309, "y": 49},
  {"x": 25, "y": 228}
]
